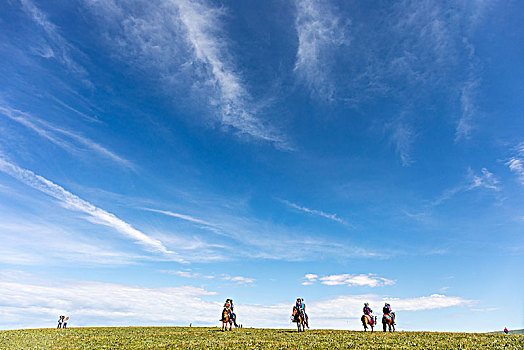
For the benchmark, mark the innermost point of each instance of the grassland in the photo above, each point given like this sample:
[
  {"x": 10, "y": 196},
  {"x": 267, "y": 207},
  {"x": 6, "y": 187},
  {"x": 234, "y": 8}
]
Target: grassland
[{"x": 213, "y": 338}]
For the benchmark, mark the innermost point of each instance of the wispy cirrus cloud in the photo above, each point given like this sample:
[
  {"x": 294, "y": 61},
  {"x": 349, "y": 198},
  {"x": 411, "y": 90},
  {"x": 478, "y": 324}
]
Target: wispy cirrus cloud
[
  {"x": 188, "y": 273},
  {"x": 368, "y": 280},
  {"x": 75, "y": 203},
  {"x": 58, "y": 47},
  {"x": 181, "y": 216},
  {"x": 469, "y": 109},
  {"x": 254, "y": 238},
  {"x": 65, "y": 139},
  {"x": 516, "y": 163},
  {"x": 33, "y": 241},
  {"x": 184, "y": 43},
  {"x": 403, "y": 137},
  {"x": 485, "y": 179},
  {"x": 333, "y": 217},
  {"x": 319, "y": 31}
]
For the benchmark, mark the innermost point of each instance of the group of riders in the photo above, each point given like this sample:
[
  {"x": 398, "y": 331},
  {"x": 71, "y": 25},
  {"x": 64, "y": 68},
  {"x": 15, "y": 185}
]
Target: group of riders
[
  {"x": 388, "y": 319},
  {"x": 299, "y": 314}
]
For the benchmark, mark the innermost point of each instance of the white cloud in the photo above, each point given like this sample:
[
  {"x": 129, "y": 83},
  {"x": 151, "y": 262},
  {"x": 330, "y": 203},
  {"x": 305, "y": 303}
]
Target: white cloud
[
  {"x": 239, "y": 279},
  {"x": 434, "y": 301},
  {"x": 310, "y": 279},
  {"x": 30, "y": 302},
  {"x": 333, "y": 217},
  {"x": 369, "y": 280},
  {"x": 319, "y": 31},
  {"x": 33, "y": 303},
  {"x": 188, "y": 274},
  {"x": 73, "y": 202},
  {"x": 56, "y": 135}
]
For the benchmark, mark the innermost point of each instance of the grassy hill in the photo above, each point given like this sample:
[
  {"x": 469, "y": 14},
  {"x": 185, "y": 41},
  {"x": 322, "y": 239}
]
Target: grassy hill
[{"x": 247, "y": 338}]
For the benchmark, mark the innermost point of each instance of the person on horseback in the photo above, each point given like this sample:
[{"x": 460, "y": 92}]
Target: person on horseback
[
  {"x": 228, "y": 305},
  {"x": 367, "y": 310},
  {"x": 386, "y": 310},
  {"x": 301, "y": 307}
]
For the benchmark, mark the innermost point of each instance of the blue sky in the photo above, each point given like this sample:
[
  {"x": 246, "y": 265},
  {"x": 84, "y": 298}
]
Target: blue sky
[{"x": 158, "y": 157}]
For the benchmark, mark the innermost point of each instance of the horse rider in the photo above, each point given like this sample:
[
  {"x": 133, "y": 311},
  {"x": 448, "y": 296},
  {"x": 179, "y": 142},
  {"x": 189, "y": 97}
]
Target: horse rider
[
  {"x": 228, "y": 305},
  {"x": 386, "y": 310},
  {"x": 367, "y": 310},
  {"x": 301, "y": 307}
]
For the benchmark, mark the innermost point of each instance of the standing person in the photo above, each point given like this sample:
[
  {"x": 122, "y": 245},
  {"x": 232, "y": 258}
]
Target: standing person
[
  {"x": 60, "y": 320},
  {"x": 506, "y": 330},
  {"x": 65, "y": 322}
]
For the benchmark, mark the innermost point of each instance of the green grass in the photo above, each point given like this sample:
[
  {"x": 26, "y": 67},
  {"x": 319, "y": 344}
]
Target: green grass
[{"x": 247, "y": 338}]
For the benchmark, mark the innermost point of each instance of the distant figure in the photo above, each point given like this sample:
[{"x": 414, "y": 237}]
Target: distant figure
[
  {"x": 190, "y": 324},
  {"x": 506, "y": 330},
  {"x": 65, "y": 322},
  {"x": 60, "y": 321}
]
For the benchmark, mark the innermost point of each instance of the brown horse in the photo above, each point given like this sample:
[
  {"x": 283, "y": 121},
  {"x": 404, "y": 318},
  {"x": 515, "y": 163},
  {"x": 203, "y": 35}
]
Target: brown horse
[
  {"x": 388, "y": 321},
  {"x": 368, "y": 320},
  {"x": 299, "y": 318},
  {"x": 225, "y": 320}
]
